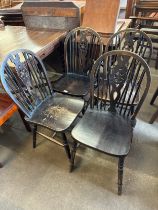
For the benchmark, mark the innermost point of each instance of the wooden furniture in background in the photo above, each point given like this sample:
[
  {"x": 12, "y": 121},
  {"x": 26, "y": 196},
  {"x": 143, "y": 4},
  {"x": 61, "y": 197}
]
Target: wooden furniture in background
[
  {"x": 121, "y": 24},
  {"x": 145, "y": 7},
  {"x": 5, "y": 3},
  {"x": 146, "y": 18},
  {"x": 101, "y": 15},
  {"x": 12, "y": 15},
  {"x": 129, "y": 8},
  {"x": 59, "y": 15},
  {"x": 7, "y": 108},
  {"x": 40, "y": 42}
]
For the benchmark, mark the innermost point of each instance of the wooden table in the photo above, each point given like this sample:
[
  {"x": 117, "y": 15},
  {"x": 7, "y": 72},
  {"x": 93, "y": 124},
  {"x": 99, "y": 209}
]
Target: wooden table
[{"x": 40, "y": 42}]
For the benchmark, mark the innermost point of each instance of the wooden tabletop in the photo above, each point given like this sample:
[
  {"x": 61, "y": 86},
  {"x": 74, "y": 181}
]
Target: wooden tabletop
[{"x": 40, "y": 42}]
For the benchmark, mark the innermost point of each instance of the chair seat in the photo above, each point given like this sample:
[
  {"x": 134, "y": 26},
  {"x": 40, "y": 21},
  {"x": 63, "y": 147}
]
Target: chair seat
[
  {"x": 57, "y": 112},
  {"x": 104, "y": 131},
  {"x": 73, "y": 84}
]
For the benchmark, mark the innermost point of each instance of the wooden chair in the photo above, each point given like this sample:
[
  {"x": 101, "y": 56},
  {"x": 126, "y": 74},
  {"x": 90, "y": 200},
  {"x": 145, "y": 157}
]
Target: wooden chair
[
  {"x": 132, "y": 40},
  {"x": 145, "y": 18},
  {"x": 82, "y": 47},
  {"x": 24, "y": 78},
  {"x": 108, "y": 127}
]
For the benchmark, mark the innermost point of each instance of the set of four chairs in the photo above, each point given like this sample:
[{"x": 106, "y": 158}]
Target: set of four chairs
[{"x": 105, "y": 90}]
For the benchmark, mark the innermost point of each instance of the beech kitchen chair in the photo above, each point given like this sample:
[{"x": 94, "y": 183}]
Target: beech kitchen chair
[
  {"x": 132, "y": 40},
  {"x": 24, "y": 78},
  {"x": 108, "y": 127},
  {"x": 82, "y": 47}
]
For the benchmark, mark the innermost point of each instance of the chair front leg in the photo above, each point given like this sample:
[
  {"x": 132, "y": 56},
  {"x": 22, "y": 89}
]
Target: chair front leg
[
  {"x": 120, "y": 174},
  {"x": 73, "y": 153},
  {"x": 66, "y": 146},
  {"x": 154, "y": 97},
  {"x": 34, "y": 136},
  {"x": 26, "y": 124}
]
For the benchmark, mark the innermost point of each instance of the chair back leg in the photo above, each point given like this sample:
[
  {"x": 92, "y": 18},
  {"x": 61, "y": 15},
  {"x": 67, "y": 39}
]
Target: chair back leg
[
  {"x": 120, "y": 174},
  {"x": 66, "y": 146},
  {"x": 26, "y": 124},
  {"x": 153, "y": 118},
  {"x": 73, "y": 153},
  {"x": 154, "y": 97},
  {"x": 34, "y": 136}
]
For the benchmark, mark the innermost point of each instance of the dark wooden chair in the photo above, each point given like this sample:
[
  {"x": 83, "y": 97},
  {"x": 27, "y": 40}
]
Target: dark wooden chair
[
  {"x": 108, "y": 127},
  {"x": 82, "y": 47},
  {"x": 132, "y": 40},
  {"x": 24, "y": 78}
]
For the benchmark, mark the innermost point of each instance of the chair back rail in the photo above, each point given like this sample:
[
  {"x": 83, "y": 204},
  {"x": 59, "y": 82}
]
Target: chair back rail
[
  {"x": 24, "y": 78},
  {"x": 120, "y": 75},
  {"x": 132, "y": 40},
  {"x": 82, "y": 47}
]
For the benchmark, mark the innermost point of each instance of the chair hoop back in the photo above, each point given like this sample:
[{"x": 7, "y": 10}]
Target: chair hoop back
[
  {"x": 24, "y": 78},
  {"x": 82, "y": 47},
  {"x": 122, "y": 77},
  {"x": 132, "y": 40}
]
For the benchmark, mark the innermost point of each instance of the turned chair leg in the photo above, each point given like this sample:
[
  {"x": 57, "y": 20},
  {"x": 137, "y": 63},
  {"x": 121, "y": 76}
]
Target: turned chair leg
[
  {"x": 153, "y": 118},
  {"x": 156, "y": 65},
  {"x": 73, "y": 153},
  {"x": 34, "y": 136},
  {"x": 66, "y": 146},
  {"x": 27, "y": 126},
  {"x": 120, "y": 174},
  {"x": 154, "y": 97}
]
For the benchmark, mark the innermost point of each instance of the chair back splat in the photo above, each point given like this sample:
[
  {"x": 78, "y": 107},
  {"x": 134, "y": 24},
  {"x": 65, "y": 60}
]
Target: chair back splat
[
  {"x": 132, "y": 40},
  {"x": 119, "y": 76},
  {"x": 82, "y": 47},
  {"x": 24, "y": 78}
]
